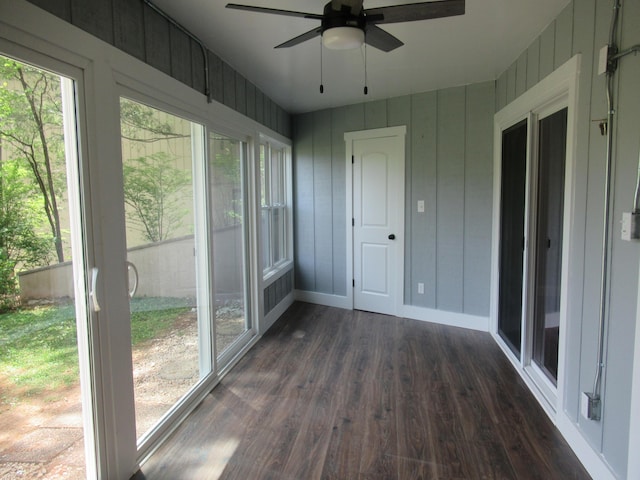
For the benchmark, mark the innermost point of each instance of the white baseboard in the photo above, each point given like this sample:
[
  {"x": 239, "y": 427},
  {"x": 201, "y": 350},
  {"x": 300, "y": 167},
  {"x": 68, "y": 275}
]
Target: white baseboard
[
  {"x": 276, "y": 312},
  {"x": 442, "y": 317},
  {"x": 590, "y": 459},
  {"x": 462, "y": 320},
  {"x": 325, "y": 299}
]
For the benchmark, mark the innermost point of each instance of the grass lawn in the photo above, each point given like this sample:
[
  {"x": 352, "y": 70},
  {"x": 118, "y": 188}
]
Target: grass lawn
[{"x": 38, "y": 348}]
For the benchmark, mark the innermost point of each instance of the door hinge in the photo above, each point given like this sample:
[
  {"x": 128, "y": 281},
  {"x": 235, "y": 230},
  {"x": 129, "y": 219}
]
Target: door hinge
[
  {"x": 353, "y": 222},
  {"x": 353, "y": 282},
  {"x": 353, "y": 159}
]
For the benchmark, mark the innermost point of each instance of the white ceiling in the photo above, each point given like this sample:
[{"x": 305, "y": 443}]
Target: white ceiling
[{"x": 438, "y": 53}]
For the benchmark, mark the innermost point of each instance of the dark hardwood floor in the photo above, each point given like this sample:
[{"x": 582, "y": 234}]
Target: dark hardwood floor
[{"x": 336, "y": 394}]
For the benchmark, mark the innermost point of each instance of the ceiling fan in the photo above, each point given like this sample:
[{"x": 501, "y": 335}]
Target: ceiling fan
[{"x": 346, "y": 24}]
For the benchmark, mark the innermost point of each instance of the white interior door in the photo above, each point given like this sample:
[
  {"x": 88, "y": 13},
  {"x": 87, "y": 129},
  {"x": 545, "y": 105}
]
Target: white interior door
[{"x": 378, "y": 219}]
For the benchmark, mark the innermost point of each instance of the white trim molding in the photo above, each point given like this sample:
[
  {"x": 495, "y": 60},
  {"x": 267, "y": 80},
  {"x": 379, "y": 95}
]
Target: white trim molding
[
  {"x": 633, "y": 462},
  {"x": 349, "y": 137},
  {"x": 560, "y": 87},
  {"x": 326, "y": 299},
  {"x": 452, "y": 319},
  {"x": 442, "y": 317}
]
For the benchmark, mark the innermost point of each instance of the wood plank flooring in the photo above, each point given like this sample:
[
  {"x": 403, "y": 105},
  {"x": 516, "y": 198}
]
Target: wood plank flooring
[{"x": 336, "y": 394}]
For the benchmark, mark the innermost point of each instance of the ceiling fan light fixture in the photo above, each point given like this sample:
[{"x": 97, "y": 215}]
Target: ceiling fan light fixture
[{"x": 343, "y": 38}]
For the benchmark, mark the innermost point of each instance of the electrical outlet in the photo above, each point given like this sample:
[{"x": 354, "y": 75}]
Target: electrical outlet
[
  {"x": 421, "y": 288},
  {"x": 420, "y": 206}
]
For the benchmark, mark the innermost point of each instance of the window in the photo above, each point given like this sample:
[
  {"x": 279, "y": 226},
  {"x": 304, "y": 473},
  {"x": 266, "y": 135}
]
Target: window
[{"x": 274, "y": 202}]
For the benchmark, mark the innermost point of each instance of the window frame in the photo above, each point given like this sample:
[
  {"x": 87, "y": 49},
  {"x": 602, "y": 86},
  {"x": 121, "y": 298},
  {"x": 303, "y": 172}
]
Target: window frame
[{"x": 271, "y": 267}]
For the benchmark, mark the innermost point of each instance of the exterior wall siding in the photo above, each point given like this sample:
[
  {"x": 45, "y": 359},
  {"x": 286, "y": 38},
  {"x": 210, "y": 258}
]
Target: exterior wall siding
[
  {"x": 135, "y": 28},
  {"x": 449, "y": 165}
]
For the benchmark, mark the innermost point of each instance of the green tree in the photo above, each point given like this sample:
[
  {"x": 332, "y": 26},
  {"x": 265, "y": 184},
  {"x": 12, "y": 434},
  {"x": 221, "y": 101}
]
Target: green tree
[
  {"x": 31, "y": 125},
  {"x": 140, "y": 123},
  {"x": 20, "y": 216},
  {"x": 152, "y": 185},
  {"x": 227, "y": 182}
]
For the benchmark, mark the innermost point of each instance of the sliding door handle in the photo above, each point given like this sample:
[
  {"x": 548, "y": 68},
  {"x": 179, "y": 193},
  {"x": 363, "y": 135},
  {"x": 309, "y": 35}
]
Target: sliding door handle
[
  {"x": 93, "y": 295},
  {"x": 392, "y": 237},
  {"x": 131, "y": 269}
]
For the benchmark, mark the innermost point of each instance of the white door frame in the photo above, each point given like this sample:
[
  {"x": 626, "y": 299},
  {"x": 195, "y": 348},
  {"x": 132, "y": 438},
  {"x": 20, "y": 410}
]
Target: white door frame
[
  {"x": 349, "y": 137},
  {"x": 557, "y": 90}
]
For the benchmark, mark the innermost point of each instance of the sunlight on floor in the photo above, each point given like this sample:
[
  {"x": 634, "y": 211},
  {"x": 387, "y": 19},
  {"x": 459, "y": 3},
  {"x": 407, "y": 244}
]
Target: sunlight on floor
[{"x": 221, "y": 452}]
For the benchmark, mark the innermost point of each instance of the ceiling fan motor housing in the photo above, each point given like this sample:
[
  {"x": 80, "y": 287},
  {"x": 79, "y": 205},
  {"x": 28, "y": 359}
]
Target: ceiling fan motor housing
[
  {"x": 341, "y": 18},
  {"x": 342, "y": 30}
]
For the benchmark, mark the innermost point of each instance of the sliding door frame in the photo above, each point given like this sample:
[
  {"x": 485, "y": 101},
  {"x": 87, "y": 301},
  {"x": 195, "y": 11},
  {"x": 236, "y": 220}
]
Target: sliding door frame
[
  {"x": 101, "y": 424},
  {"x": 555, "y": 92},
  {"x": 35, "y": 36}
]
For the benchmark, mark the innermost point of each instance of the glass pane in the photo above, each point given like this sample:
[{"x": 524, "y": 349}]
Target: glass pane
[
  {"x": 42, "y": 297},
  {"x": 161, "y": 229},
  {"x": 265, "y": 245},
  {"x": 264, "y": 195},
  {"x": 551, "y": 168},
  {"x": 514, "y": 156},
  {"x": 277, "y": 181},
  {"x": 226, "y": 161},
  {"x": 276, "y": 235}
]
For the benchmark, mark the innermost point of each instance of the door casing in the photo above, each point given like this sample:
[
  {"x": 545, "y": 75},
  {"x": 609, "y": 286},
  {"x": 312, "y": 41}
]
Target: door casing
[
  {"x": 556, "y": 91},
  {"x": 395, "y": 271}
]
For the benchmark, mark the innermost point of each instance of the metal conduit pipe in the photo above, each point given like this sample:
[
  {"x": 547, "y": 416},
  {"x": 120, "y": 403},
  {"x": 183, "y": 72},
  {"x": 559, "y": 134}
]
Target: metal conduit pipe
[
  {"x": 203, "y": 48},
  {"x": 594, "y": 410}
]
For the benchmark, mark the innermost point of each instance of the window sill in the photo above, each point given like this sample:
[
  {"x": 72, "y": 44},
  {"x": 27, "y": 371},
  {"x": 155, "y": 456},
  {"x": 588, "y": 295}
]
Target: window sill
[{"x": 276, "y": 272}]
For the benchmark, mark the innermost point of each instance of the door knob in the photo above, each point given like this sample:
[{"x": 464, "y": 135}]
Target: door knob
[{"x": 392, "y": 237}]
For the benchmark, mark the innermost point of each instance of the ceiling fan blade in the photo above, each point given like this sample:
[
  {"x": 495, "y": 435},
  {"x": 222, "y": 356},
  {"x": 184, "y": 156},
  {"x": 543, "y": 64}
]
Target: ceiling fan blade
[
  {"x": 415, "y": 11},
  {"x": 301, "y": 38},
  {"x": 289, "y": 13},
  {"x": 378, "y": 38}
]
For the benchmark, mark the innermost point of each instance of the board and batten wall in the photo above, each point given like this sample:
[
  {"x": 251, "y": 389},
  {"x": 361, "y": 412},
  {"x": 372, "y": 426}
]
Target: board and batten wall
[
  {"x": 135, "y": 28},
  {"x": 582, "y": 28},
  {"x": 449, "y": 165}
]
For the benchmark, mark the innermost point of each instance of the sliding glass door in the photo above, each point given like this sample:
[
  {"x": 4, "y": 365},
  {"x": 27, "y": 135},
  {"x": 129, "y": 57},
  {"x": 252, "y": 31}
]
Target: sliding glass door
[
  {"x": 512, "y": 234},
  {"x": 532, "y": 213},
  {"x": 227, "y": 185},
  {"x": 552, "y": 141},
  {"x": 46, "y": 335},
  {"x": 185, "y": 209},
  {"x": 170, "y": 327}
]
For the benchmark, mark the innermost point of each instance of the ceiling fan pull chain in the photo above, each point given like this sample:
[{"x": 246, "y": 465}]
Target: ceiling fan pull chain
[
  {"x": 366, "y": 89},
  {"x": 321, "y": 85}
]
